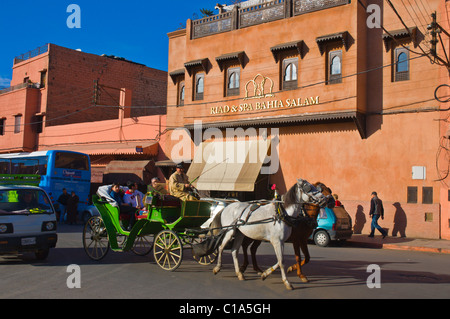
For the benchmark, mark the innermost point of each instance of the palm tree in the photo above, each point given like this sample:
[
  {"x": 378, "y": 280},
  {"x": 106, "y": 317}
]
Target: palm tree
[{"x": 206, "y": 13}]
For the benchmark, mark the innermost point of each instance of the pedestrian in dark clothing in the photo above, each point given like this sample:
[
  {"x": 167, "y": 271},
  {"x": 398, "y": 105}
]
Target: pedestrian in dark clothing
[
  {"x": 62, "y": 200},
  {"x": 72, "y": 208},
  {"x": 376, "y": 211}
]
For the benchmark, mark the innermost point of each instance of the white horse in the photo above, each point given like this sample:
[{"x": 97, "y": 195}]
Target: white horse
[{"x": 268, "y": 223}]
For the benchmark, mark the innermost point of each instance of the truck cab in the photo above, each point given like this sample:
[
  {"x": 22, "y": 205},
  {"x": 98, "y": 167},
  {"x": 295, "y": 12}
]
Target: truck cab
[{"x": 27, "y": 221}]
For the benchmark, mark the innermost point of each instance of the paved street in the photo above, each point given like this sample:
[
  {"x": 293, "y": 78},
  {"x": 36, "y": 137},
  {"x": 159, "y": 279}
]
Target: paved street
[{"x": 334, "y": 272}]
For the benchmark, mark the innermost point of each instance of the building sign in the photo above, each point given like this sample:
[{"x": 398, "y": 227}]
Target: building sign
[{"x": 262, "y": 87}]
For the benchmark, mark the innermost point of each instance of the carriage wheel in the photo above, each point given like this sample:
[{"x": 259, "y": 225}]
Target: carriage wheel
[
  {"x": 205, "y": 260},
  {"x": 168, "y": 250},
  {"x": 95, "y": 238},
  {"x": 143, "y": 245}
]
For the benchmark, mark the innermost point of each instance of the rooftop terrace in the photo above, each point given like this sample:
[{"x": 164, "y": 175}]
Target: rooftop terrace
[
  {"x": 31, "y": 54},
  {"x": 254, "y": 12}
]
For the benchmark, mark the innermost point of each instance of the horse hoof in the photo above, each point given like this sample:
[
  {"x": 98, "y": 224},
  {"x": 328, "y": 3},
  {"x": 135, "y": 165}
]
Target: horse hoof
[
  {"x": 216, "y": 270},
  {"x": 289, "y": 269},
  {"x": 304, "y": 279},
  {"x": 240, "y": 277},
  {"x": 288, "y": 285}
]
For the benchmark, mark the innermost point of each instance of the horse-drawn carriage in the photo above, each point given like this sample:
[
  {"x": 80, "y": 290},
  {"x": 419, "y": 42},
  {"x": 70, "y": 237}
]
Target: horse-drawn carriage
[
  {"x": 170, "y": 226},
  {"x": 167, "y": 226}
]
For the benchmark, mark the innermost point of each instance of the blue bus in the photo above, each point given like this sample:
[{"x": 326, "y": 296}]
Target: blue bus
[{"x": 50, "y": 170}]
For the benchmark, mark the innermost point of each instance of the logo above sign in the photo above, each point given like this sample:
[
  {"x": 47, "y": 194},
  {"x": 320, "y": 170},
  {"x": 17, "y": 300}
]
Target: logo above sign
[{"x": 259, "y": 88}]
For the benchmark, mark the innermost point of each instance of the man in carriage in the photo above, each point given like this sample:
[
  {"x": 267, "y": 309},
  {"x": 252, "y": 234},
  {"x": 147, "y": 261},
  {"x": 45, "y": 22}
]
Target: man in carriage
[
  {"x": 157, "y": 188},
  {"x": 179, "y": 185}
]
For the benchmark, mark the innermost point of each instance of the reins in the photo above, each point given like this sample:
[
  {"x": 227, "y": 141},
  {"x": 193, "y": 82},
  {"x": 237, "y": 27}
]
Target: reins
[
  {"x": 280, "y": 215},
  {"x": 283, "y": 216}
]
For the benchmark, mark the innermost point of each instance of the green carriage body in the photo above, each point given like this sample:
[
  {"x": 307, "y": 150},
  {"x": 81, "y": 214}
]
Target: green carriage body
[{"x": 176, "y": 217}]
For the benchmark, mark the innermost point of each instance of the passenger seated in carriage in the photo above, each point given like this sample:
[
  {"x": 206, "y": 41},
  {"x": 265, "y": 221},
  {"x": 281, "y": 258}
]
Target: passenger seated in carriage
[
  {"x": 133, "y": 197},
  {"x": 179, "y": 185},
  {"x": 125, "y": 209},
  {"x": 161, "y": 195},
  {"x": 157, "y": 188}
]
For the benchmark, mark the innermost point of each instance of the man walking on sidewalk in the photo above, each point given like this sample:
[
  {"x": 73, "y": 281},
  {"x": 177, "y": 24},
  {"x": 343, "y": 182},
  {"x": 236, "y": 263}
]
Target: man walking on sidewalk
[{"x": 376, "y": 211}]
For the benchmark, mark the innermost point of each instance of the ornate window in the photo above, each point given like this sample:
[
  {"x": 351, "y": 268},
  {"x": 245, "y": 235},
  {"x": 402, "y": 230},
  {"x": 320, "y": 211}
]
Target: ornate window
[
  {"x": 335, "y": 67},
  {"x": 181, "y": 93},
  {"x": 290, "y": 73},
  {"x": 233, "y": 81},
  {"x": 401, "y": 71},
  {"x": 199, "y": 86}
]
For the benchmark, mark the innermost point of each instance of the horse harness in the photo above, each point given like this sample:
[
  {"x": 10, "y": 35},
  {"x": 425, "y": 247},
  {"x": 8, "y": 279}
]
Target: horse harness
[
  {"x": 280, "y": 215},
  {"x": 302, "y": 217}
]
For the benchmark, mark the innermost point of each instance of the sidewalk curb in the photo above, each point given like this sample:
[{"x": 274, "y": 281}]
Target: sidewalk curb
[
  {"x": 416, "y": 248},
  {"x": 390, "y": 246}
]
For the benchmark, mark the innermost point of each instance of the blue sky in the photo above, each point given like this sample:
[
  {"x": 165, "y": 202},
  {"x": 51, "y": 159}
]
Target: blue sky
[{"x": 133, "y": 29}]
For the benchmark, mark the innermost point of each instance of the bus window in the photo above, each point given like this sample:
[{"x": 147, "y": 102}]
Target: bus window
[
  {"x": 4, "y": 167},
  {"x": 28, "y": 166},
  {"x": 72, "y": 161}
]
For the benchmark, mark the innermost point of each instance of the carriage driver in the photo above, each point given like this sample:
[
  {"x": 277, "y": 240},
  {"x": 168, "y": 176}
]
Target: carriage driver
[{"x": 179, "y": 185}]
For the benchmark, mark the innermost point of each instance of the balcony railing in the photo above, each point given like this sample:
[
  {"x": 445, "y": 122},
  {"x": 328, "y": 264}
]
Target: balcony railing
[
  {"x": 20, "y": 86},
  {"x": 31, "y": 54},
  {"x": 247, "y": 16}
]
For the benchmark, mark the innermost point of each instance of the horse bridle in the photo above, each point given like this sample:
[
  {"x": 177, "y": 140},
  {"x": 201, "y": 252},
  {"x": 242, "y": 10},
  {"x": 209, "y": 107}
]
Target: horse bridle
[{"x": 306, "y": 188}]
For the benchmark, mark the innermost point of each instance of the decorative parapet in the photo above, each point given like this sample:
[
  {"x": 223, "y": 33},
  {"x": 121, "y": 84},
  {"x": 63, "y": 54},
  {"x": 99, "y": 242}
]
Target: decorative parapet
[
  {"x": 261, "y": 13},
  {"x": 249, "y": 15},
  {"x": 212, "y": 25},
  {"x": 306, "y": 6}
]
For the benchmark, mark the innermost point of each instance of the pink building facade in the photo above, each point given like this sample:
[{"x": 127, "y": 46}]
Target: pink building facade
[{"x": 62, "y": 99}]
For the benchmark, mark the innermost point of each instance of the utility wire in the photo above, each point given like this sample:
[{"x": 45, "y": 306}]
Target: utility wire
[
  {"x": 199, "y": 103},
  {"x": 230, "y": 100}
]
